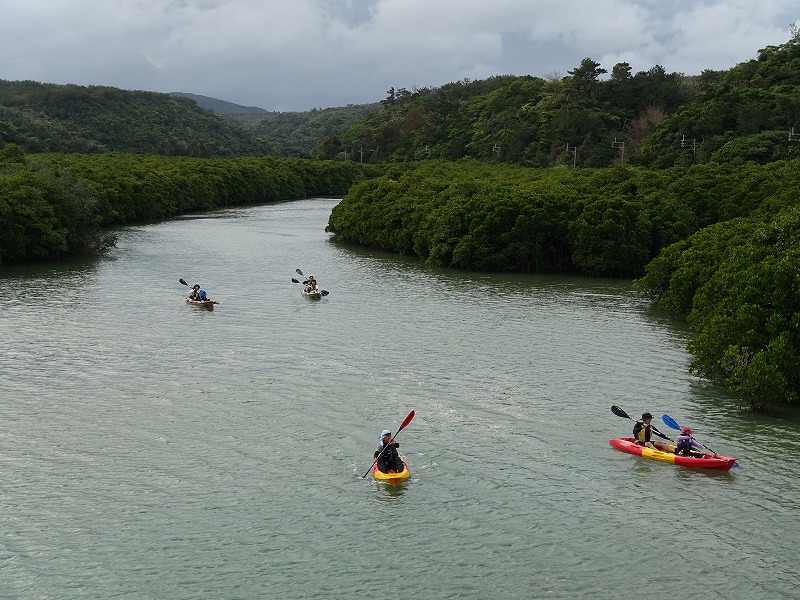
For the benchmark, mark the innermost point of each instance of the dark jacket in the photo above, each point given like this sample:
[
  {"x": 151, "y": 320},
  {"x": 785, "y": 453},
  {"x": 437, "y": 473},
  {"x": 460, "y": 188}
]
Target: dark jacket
[
  {"x": 643, "y": 433},
  {"x": 390, "y": 459}
]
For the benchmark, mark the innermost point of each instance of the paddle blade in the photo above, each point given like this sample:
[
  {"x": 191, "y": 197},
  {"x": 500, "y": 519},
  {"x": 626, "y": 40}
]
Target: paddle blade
[
  {"x": 670, "y": 422},
  {"x": 406, "y": 422},
  {"x": 299, "y": 272},
  {"x": 294, "y": 280},
  {"x": 183, "y": 282},
  {"x": 619, "y": 412},
  {"x": 324, "y": 292}
]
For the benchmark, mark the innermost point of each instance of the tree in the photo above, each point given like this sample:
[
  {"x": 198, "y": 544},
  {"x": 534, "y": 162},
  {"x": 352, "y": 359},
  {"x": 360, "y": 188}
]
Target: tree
[{"x": 586, "y": 75}]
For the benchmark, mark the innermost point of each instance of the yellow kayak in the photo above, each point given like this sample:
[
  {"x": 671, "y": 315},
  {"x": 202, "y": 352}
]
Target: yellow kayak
[{"x": 392, "y": 477}]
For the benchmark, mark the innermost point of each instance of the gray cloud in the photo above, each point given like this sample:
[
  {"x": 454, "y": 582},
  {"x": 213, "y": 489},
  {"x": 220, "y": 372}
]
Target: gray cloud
[{"x": 301, "y": 54}]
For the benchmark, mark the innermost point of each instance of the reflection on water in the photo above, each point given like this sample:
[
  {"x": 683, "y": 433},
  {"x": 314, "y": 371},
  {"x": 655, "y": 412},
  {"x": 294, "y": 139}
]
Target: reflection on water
[{"x": 154, "y": 450}]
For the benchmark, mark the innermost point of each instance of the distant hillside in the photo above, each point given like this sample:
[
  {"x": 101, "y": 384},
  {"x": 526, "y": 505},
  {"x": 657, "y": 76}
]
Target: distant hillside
[
  {"x": 222, "y": 107},
  {"x": 300, "y": 133},
  {"x": 43, "y": 117},
  {"x": 587, "y": 119},
  {"x": 288, "y": 133}
]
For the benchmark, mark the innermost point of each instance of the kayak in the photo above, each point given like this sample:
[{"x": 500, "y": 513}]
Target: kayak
[
  {"x": 201, "y": 303},
  {"x": 313, "y": 294},
  {"x": 720, "y": 463},
  {"x": 392, "y": 477}
]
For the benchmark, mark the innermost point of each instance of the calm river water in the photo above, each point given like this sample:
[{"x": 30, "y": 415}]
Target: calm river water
[{"x": 153, "y": 450}]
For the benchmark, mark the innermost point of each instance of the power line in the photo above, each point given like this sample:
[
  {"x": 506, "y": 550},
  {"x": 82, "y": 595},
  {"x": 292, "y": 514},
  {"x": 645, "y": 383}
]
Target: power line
[
  {"x": 692, "y": 143},
  {"x": 619, "y": 146},
  {"x": 574, "y": 151}
]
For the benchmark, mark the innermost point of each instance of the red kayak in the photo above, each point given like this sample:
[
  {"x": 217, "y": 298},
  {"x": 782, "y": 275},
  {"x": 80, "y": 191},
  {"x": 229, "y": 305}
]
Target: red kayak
[{"x": 720, "y": 463}]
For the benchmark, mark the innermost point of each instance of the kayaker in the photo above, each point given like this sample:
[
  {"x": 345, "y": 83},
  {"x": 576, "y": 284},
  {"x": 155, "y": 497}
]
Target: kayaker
[
  {"x": 386, "y": 453},
  {"x": 643, "y": 432},
  {"x": 311, "y": 284},
  {"x": 195, "y": 293},
  {"x": 688, "y": 446}
]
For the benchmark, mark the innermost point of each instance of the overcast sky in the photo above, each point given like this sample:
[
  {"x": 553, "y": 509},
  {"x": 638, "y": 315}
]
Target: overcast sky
[{"x": 302, "y": 54}]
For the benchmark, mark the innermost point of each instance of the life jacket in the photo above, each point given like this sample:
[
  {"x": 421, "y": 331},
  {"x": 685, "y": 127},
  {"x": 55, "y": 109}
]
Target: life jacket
[
  {"x": 641, "y": 433},
  {"x": 684, "y": 446}
]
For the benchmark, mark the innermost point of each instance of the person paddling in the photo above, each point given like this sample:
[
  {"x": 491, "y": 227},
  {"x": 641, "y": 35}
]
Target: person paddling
[
  {"x": 386, "y": 453},
  {"x": 311, "y": 284},
  {"x": 643, "y": 432},
  {"x": 197, "y": 294},
  {"x": 688, "y": 446}
]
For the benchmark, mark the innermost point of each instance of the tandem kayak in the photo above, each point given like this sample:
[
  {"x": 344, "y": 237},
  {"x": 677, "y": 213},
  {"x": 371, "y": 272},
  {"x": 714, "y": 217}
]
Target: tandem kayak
[
  {"x": 392, "y": 477},
  {"x": 313, "y": 294},
  {"x": 201, "y": 303},
  {"x": 720, "y": 463}
]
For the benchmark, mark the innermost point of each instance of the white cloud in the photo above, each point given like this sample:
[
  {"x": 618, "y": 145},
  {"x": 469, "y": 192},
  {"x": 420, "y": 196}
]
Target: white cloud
[{"x": 300, "y": 54}]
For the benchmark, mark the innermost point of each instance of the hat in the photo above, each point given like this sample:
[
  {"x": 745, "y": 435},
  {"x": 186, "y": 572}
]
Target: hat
[
  {"x": 646, "y": 416},
  {"x": 686, "y": 430},
  {"x": 383, "y": 433},
  {"x": 196, "y": 286}
]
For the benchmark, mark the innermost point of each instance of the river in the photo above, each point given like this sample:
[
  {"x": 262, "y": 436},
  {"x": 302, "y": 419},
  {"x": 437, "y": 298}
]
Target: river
[{"x": 154, "y": 450}]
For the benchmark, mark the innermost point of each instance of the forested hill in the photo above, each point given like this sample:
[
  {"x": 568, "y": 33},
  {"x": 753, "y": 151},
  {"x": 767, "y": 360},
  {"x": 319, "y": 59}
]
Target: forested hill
[
  {"x": 41, "y": 117},
  {"x": 595, "y": 116},
  {"x": 222, "y": 107},
  {"x": 300, "y": 133}
]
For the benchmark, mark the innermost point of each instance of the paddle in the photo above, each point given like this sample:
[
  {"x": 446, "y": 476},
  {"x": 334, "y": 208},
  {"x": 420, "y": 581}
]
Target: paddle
[
  {"x": 402, "y": 426},
  {"x": 187, "y": 285},
  {"x": 670, "y": 422},
  {"x": 621, "y": 413},
  {"x": 323, "y": 292}
]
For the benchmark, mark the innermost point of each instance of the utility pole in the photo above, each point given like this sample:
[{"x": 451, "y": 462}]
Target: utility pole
[
  {"x": 692, "y": 143},
  {"x": 619, "y": 146},
  {"x": 794, "y": 137},
  {"x": 496, "y": 149},
  {"x": 574, "y": 150}
]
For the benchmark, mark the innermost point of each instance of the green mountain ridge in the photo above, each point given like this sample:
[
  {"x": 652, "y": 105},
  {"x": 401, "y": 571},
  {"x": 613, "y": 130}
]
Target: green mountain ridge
[
  {"x": 651, "y": 118},
  {"x": 44, "y": 117},
  {"x": 222, "y": 107}
]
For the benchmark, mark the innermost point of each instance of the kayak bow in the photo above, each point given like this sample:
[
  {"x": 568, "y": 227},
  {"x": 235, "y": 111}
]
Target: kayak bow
[{"x": 392, "y": 477}]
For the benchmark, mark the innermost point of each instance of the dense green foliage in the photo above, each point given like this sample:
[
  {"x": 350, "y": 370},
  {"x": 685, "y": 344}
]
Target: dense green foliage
[
  {"x": 42, "y": 117},
  {"x": 592, "y": 117},
  {"x": 70, "y": 118},
  {"x": 651, "y": 118},
  {"x": 45, "y": 212},
  {"x": 299, "y": 133},
  {"x": 738, "y": 284},
  {"x": 288, "y": 133},
  {"x": 720, "y": 244},
  {"x": 54, "y": 205},
  {"x": 593, "y": 221}
]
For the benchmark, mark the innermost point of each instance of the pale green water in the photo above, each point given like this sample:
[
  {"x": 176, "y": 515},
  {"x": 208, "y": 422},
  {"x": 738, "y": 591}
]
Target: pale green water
[{"x": 149, "y": 449}]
